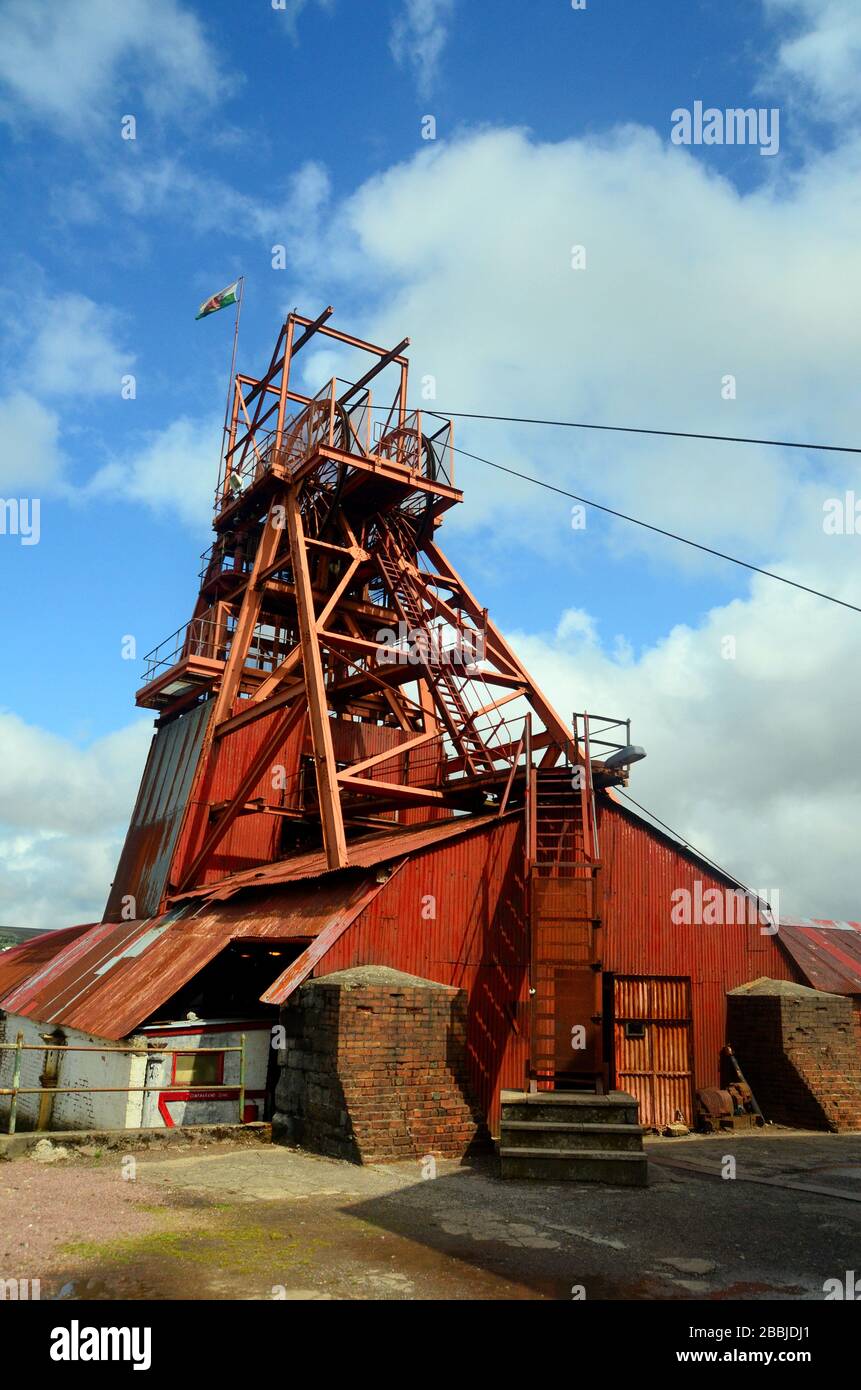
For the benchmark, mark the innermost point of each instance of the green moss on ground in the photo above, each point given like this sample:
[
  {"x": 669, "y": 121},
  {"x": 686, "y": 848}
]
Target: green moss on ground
[{"x": 236, "y": 1249}]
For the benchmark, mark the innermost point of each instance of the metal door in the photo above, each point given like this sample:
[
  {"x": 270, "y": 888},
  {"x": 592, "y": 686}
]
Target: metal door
[{"x": 652, "y": 1046}]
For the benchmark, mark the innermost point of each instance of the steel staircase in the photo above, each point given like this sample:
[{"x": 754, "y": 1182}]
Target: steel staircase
[
  {"x": 566, "y": 1128},
  {"x": 456, "y": 715}
]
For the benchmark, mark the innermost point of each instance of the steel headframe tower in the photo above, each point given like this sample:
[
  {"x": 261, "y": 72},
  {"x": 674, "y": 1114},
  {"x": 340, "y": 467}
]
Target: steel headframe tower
[{"x": 328, "y": 613}]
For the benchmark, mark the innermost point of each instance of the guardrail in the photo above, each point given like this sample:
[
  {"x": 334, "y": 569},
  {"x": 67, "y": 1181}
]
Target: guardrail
[
  {"x": 327, "y": 421},
  {"x": 19, "y": 1047},
  {"x": 196, "y": 638}
]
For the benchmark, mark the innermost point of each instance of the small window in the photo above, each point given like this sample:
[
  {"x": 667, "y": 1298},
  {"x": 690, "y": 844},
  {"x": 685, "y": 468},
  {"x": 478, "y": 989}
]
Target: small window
[
  {"x": 198, "y": 1068},
  {"x": 635, "y": 1030}
]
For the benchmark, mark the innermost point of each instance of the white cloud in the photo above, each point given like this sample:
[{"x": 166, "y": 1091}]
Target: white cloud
[
  {"x": 822, "y": 53},
  {"x": 31, "y": 457},
  {"x": 60, "y": 787},
  {"x": 169, "y": 188},
  {"x": 66, "y": 345},
  {"x": 63, "y": 815},
  {"x": 419, "y": 34},
  {"x": 749, "y": 758},
  {"x": 173, "y": 472},
  {"x": 69, "y": 348},
  {"x": 467, "y": 247},
  {"x": 70, "y": 64},
  {"x": 74, "y": 348}
]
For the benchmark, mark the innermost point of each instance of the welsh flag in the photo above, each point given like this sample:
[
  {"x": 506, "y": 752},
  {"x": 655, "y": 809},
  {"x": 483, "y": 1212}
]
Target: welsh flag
[{"x": 219, "y": 301}]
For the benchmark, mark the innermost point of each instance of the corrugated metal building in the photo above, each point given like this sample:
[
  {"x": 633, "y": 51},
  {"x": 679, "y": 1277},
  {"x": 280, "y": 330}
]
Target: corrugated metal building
[
  {"x": 447, "y": 901},
  {"x": 317, "y": 798}
]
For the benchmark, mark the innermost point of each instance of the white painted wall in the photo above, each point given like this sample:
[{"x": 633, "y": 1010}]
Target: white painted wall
[
  {"x": 128, "y": 1109},
  {"x": 208, "y": 1111},
  {"x": 106, "y": 1110}
]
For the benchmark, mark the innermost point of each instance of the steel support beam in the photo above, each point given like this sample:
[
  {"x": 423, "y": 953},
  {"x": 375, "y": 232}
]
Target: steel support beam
[{"x": 315, "y": 688}]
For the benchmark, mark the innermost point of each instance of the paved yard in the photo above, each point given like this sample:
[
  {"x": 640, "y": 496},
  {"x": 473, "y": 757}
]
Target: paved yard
[{"x": 232, "y": 1221}]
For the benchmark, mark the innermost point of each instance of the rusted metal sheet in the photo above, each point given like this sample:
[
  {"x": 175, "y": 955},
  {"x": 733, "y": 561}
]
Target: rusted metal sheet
[
  {"x": 642, "y": 868},
  {"x": 301, "y": 968},
  {"x": 365, "y": 853},
  {"x": 253, "y": 839},
  {"x": 652, "y": 1047},
  {"x": 21, "y": 961},
  {"x": 114, "y": 976},
  {"x": 457, "y": 915},
  {"x": 95, "y": 961},
  {"x": 155, "y": 825},
  {"x": 828, "y": 954}
]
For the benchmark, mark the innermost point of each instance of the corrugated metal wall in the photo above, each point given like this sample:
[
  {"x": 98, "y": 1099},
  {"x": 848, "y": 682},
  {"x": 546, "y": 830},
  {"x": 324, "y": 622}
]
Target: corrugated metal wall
[
  {"x": 476, "y": 939},
  {"x": 256, "y": 839},
  {"x": 157, "y": 817},
  {"x": 641, "y": 871},
  {"x": 475, "y": 936},
  {"x": 252, "y": 839}
]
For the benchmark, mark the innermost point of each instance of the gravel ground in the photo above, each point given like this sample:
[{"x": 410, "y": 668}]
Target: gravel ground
[{"x": 45, "y": 1208}]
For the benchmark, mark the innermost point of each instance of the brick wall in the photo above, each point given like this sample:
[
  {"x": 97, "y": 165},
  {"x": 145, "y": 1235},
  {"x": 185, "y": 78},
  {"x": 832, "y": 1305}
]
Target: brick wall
[
  {"x": 375, "y": 1069},
  {"x": 801, "y": 1057}
]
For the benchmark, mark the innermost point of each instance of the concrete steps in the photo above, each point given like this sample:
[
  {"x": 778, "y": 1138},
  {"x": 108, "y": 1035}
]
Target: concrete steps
[
  {"x": 578, "y": 1107},
  {"x": 564, "y": 1136},
  {"x": 572, "y": 1138}
]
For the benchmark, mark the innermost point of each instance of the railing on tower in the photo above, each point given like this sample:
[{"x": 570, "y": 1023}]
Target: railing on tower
[
  {"x": 330, "y": 421},
  {"x": 198, "y": 638}
]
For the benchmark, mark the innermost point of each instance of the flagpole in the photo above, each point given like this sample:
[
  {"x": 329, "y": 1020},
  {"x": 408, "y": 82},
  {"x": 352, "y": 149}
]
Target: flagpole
[{"x": 230, "y": 381}]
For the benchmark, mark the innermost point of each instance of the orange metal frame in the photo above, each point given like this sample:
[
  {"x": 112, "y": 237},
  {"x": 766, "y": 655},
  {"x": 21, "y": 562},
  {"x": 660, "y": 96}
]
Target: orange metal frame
[{"x": 326, "y": 600}]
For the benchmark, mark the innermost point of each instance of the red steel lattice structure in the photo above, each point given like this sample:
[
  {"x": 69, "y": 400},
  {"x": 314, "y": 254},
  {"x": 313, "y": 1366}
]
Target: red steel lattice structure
[{"x": 337, "y": 673}]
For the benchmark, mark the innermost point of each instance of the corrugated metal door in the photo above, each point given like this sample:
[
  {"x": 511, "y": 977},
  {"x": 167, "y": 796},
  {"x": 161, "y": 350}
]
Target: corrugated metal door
[{"x": 652, "y": 1046}]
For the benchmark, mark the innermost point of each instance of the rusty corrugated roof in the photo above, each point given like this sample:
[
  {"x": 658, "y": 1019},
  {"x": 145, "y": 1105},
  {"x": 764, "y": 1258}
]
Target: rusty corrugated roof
[
  {"x": 111, "y": 977},
  {"x": 364, "y": 853},
  {"x": 827, "y": 953},
  {"x": 20, "y": 961},
  {"x": 115, "y": 975}
]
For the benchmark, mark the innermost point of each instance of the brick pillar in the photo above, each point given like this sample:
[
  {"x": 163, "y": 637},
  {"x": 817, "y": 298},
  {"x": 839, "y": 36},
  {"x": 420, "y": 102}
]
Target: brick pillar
[
  {"x": 375, "y": 1069},
  {"x": 799, "y": 1051}
]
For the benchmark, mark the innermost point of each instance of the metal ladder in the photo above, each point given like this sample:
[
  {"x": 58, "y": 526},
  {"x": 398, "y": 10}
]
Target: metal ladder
[{"x": 565, "y": 917}]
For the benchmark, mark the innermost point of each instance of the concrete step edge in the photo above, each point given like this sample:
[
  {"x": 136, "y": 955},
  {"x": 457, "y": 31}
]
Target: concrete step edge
[
  {"x": 573, "y": 1126},
  {"x": 572, "y": 1155}
]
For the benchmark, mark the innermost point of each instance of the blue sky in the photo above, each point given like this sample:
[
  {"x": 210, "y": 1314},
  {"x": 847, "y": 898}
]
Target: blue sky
[{"x": 259, "y": 127}]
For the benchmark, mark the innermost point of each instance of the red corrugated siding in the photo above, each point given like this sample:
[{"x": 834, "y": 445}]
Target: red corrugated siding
[
  {"x": 477, "y": 941},
  {"x": 255, "y": 839},
  {"x": 252, "y": 839},
  {"x": 375, "y": 847},
  {"x": 641, "y": 872}
]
